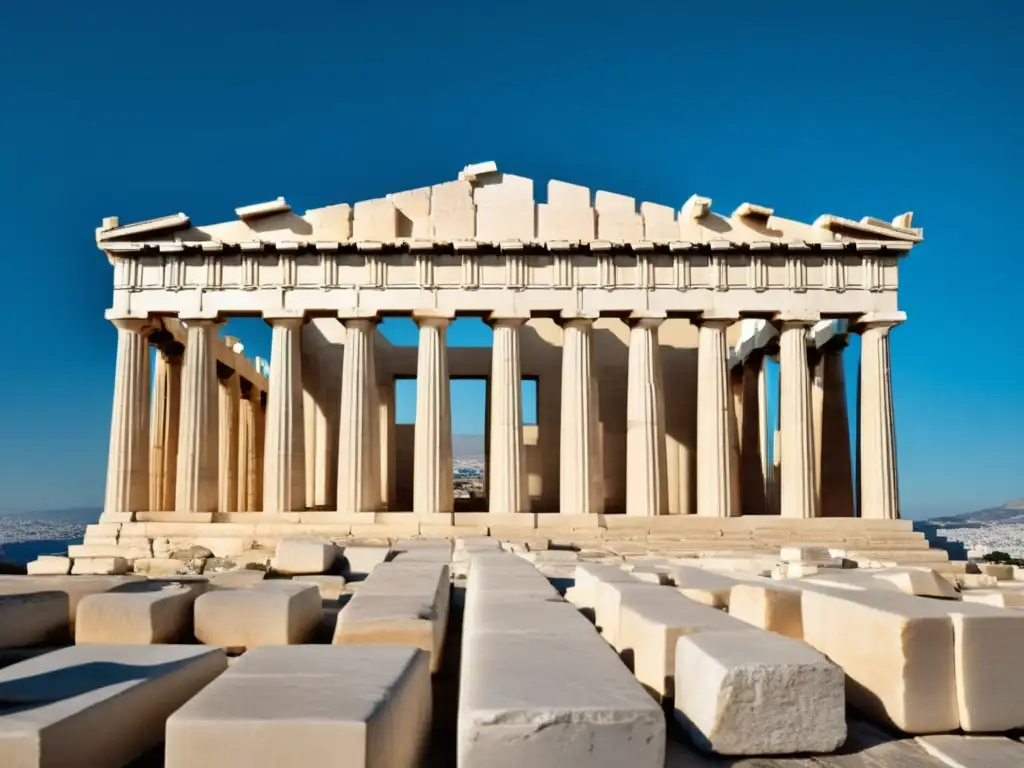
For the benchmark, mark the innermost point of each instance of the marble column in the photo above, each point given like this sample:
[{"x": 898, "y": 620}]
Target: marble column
[
  {"x": 580, "y": 445},
  {"x": 284, "y": 459},
  {"x": 715, "y": 491},
  {"x": 646, "y": 464},
  {"x": 753, "y": 474},
  {"x": 250, "y": 418},
  {"x": 309, "y": 432},
  {"x": 163, "y": 452},
  {"x": 359, "y": 444},
  {"x": 196, "y": 481},
  {"x": 227, "y": 437},
  {"x": 506, "y": 493},
  {"x": 833, "y": 464},
  {"x": 798, "y": 485},
  {"x": 877, "y": 469},
  {"x": 386, "y": 432},
  {"x": 433, "y": 490},
  {"x": 128, "y": 459}
]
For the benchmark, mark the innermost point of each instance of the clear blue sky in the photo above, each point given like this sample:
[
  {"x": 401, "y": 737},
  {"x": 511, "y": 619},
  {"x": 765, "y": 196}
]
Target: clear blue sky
[{"x": 868, "y": 108}]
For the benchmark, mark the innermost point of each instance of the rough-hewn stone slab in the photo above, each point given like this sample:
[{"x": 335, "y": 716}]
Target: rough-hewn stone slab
[
  {"x": 756, "y": 693},
  {"x": 974, "y": 751},
  {"x": 311, "y": 705},
  {"x": 136, "y": 617},
  {"x": 32, "y": 618},
  {"x": 904, "y": 675},
  {"x": 769, "y": 607},
  {"x": 269, "y": 613},
  {"x": 304, "y": 555},
  {"x": 400, "y": 603},
  {"x": 554, "y": 702},
  {"x": 650, "y": 623},
  {"x": 97, "y": 706}
]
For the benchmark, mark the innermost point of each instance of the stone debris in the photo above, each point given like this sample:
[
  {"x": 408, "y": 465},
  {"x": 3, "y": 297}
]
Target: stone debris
[
  {"x": 302, "y": 556},
  {"x": 158, "y": 614},
  {"x": 400, "y": 603},
  {"x": 308, "y": 705},
  {"x": 97, "y": 706},
  {"x": 267, "y": 613}
]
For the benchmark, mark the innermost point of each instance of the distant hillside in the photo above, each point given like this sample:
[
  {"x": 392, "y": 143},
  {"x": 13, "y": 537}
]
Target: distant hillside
[
  {"x": 468, "y": 447},
  {"x": 83, "y": 515},
  {"x": 1010, "y": 512}
]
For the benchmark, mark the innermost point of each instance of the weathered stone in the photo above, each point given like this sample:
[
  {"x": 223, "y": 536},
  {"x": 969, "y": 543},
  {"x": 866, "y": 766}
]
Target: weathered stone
[
  {"x": 159, "y": 566},
  {"x": 360, "y": 560},
  {"x": 362, "y": 706},
  {"x": 301, "y": 556},
  {"x": 268, "y": 613},
  {"x": 99, "y": 566},
  {"x": 97, "y": 706},
  {"x": 610, "y": 597},
  {"x": 193, "y": 552},
  {"x": 1000, "y": 571},
  {"x": 768, "y": 607},
  {"x": 32, "y": 618},
  {"x": 754, "y": 693},
  {"x": 331, "y": 587},
  {"x": 583, "y": 592},
  {"x": 50, "y": 565},
  {"x": 135, "y": 617},
  {"x": 239, "y": 578}
]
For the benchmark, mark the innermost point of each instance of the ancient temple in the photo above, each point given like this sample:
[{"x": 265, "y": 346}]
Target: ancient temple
[{"x": 646, "y": 329}]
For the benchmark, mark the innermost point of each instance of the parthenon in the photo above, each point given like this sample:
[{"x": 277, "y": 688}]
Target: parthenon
[{"x": 645, "y": 328}]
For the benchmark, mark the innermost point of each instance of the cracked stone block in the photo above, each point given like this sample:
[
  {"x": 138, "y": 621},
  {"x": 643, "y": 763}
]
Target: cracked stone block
[{"x": 268, "y": 613}]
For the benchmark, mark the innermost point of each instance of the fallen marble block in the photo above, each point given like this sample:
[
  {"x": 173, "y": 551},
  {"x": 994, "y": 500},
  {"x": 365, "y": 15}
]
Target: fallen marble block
[
  {"x": 360, "y": 561},
  {"x": 610, "y": 597},
  {"x": 650, "y": 623},
  {"x": 583, "y": 592},
  {"x": 400, "y": 603},
  {"x": 331, "y": 587},
  {"x": 99, "y": 566},
  {"x": 308, "y": 705},
  {"x": 272, "y": 612},
  {"x": 97, "y": 706},
  {"x": 772, "y": 608},
  {"x": 553, "y": 702},
  {"x": 75, "y": 587},
  {"x": 32, "y": 618},
  {"x": 298, "y": 556},
  {"x": 49, "y": 565},
  {"x": 136, "y": 617},
  {"x": 756, "y": 693}
]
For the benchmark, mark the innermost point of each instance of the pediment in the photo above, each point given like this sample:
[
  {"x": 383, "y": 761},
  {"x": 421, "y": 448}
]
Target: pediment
[{"x": 485, "y": 205}]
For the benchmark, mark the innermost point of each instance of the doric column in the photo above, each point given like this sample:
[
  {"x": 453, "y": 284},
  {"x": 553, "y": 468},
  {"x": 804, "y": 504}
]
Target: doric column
[
  {"x": 877, "y": 469},
  {"x": 128, "y": 459},
  {"x": 753, "y": 475},
  {"x": 646, "y": 472},
  {"x": 715, "y": 491},
  {"x": 250, "y": 439},
  {"x": 432, "y": 468},
  {"x": 798, "y": 485},
  {"x": 309, "y": 433},
  {"x": 227, "y": 439},
  {"x": 196, "y": 481},
  {"x": 163, "y": 425},
  {"x": 506, "y": 474},
  {"x": 579, "y": 461},
  {"x": 386, "y": 433},
  {"x": 284, "y": 460},
  {"x": 359, "y": 443},
  {"x": 833, "y": 465}
]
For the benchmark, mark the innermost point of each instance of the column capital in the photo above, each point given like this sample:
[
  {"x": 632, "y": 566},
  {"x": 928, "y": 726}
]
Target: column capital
[
  {"x": 877, "y": 320},
  {"x": 784, "y": 320},
  {"x": 507, "y": 319},
  {"x": 133, "y": 324},
  {"x": 577, "y": 318},
  {"x": 645, "y": 319},
  {"x": 288, "y": 318},
  {"x": 715, "y": 319},
  {"x": 355, "y": 313},
  {"x": 432, "y": 318}
]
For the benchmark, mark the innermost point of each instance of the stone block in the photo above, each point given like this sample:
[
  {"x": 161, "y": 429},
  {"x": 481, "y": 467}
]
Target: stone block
[
  {"x": 922, "y": 582},
  {"x": 508, "y": 575},
  {"x": 399, "y": 604},
  {"x": 75, "y": 587},
  {"x": 975, "y": 580},
  {"x": 775, "y": 609},
  {"x": 85, "y": 551},
  {"x": 97, "y": 706},
  {"x": 160, "y": 566},
  {"x": 1000, "y": 598},
  {"x": 269, "y": 613},
  {"x": 510, "y": 614},
  {"x": 300, "y": 556},
  {"x": 353, "y": 706},
  {"x": 970, "y": 751},
  {"x": 610, "y": 597},
  {"x": 240, "y": 578},
  {"x": 650, "y": 622},
  {"x": 1000, "y": 571},
  {"x": 583, "y": 592},
  {"x": 804, "y": 554},
  {"x": 551, "y": 702},
  {"x": 223, "y": 546},
  {"x": 95, "y": 540},
  {"x": 756, "y": 693},
  {"x": 99, "y": 566},
  {"x": 32, "y": 618},
  {"x": 359, "y": 561},
  {"x": 331, "y": 587},
  {"x": 135, "y": 617},
  {"x": 904, "y": 676},
  {"x": 50, "y": 565}
]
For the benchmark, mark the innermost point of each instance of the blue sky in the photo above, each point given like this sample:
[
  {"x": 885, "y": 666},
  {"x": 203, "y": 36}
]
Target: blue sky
[{"x": 869, "y": 108}]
